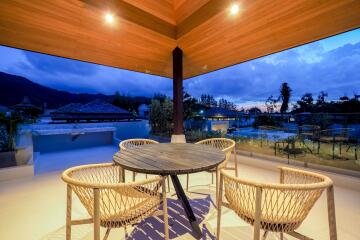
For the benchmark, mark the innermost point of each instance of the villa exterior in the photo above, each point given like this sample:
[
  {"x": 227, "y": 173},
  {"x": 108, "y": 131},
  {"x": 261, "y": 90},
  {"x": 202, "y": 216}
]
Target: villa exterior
[
  {"x": 177, "y": 39},
  {"x": 96, "y": 110}
]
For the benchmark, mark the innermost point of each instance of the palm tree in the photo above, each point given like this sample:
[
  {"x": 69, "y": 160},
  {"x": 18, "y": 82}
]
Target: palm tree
[{"x": 285, "y": 93}]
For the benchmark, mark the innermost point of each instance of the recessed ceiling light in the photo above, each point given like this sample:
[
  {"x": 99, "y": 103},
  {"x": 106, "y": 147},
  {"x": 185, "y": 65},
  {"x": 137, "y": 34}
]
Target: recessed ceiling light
[
  {"x": 109, "y": 18},
  {"x": 234, "y": 9}
]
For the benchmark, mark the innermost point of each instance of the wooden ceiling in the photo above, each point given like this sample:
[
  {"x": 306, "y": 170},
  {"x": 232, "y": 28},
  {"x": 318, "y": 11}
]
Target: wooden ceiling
[{"x": 144, "y": 33}]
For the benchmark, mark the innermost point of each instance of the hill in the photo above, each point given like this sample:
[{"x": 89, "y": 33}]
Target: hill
[{"x": 13, "y": 88}]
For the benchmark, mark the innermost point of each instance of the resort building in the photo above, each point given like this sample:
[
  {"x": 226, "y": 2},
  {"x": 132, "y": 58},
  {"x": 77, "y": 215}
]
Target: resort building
[
  {"x": 84, "y": 181},
  {"x": 96, "y": 110}
]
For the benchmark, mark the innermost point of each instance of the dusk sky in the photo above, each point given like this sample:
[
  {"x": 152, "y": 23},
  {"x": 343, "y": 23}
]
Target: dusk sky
[{"x": 331, "y": 65}]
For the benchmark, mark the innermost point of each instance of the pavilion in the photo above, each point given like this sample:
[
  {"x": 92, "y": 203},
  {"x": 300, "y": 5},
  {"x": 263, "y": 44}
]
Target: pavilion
[{"x": 178, "y": 39}]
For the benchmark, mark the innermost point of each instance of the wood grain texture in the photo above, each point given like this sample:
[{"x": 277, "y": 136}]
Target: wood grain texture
[
  {"x": 167, "y": 158},
  {"x": 184, "y": 8},
  {"x": 75, "y": 30},
  {"x": 135, "y": 14},
  {"x": 163, "y": 9},
  {"x": 142, "y": 40},
  {"x": 263, "y": 27}
]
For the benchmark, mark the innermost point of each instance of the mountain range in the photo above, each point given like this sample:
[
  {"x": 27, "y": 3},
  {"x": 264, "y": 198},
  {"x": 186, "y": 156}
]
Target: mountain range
[{"x": 14, "y": 88}]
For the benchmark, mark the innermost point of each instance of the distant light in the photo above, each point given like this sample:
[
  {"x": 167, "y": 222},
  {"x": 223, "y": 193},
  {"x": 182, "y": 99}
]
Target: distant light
[
  {"x": 109, "y": 18},
  {"x": 234, "y": 9}
]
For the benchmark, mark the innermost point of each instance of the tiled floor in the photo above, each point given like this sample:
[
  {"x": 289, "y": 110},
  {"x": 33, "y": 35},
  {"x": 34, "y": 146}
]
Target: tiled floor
[{"x": 34, "y": 209}]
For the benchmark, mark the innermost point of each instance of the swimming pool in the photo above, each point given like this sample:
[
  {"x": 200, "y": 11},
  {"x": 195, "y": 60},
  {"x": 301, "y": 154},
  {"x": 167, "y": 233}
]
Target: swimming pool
[{"x": 255, "y": 133}]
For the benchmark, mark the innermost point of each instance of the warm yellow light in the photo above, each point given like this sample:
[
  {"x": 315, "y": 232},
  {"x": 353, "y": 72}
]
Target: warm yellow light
[
  {"x": 234, "y": 9},
  {"x": 109, "y": 18}
]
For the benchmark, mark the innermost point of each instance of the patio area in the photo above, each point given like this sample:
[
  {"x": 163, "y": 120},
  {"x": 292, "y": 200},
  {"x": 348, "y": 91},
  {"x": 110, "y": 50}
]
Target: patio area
[
  {"x": 34, "y": 208},
  {"x": 177, "y": 40}
]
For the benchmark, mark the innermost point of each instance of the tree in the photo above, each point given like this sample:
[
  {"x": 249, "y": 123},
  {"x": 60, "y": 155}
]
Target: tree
[
  {"x": 254, "y": 110},
  {"x": 321, "y": 98},
  {"x": 161, "y": 116},
  {"x": 208, "y": 100},
  {"x": 8, "y": 131},
  {"x": 271, "y": 104},
  {"x": 223, "y": 103},
  {"x": 117, "y": 99},
  {"x": 305, "y": 103},
  {"x": 285, "y": 93},
  {"x": 344, "y": 98},
  {"x": 189, "y": 106}
]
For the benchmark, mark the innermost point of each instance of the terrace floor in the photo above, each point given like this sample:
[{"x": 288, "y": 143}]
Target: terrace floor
[{"x": 34, "y": 208}]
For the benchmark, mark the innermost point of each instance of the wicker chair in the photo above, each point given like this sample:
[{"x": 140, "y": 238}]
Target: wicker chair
[
  {"x": 135, "y": 142},
  {"x": 277, "y": 208},
  {"x": 227, "y": 146},
  {"x": 110, "y": 202}
]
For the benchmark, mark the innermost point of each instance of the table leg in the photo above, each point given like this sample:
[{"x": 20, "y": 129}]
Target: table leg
[{"x": 185, "y": 202}]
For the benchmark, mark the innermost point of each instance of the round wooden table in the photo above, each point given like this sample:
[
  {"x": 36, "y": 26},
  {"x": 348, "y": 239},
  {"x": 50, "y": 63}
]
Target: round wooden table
[{"x": 172, "y": 159}]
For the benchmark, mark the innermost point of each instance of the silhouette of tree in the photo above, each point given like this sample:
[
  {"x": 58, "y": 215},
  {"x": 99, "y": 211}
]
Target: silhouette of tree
[
  {"x": 305, "y": 103},
  {"x": 285, "y": 93},
  {"x": 271, "y": 104}
]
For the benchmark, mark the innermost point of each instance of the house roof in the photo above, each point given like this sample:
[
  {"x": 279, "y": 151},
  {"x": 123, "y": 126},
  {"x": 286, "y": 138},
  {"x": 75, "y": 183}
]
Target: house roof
[
  {"x": 144, "y": 33},
  {"x": 25, "y": 104},
  {"x": 94, "y": 107},
  {"x": 218, "y": 112}
]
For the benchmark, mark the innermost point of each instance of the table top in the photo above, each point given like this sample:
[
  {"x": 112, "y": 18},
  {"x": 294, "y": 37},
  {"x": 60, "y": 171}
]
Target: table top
[{"x": 169, "y": 158}]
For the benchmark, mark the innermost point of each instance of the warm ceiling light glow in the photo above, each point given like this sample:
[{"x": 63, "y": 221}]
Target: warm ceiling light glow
[
  {"x": 234, "y": 9},
  {"x": 109, "y": 18}
]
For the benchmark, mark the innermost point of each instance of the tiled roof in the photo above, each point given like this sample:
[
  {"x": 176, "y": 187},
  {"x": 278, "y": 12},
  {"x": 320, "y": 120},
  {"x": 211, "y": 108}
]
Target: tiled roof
[{"x": 95, "y": 107}]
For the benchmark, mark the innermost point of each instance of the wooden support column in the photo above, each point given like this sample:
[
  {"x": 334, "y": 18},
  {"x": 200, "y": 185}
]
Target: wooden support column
[{"x": 178, "y": 135}]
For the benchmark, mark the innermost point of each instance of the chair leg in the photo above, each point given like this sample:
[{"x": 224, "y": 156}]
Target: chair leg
[
  {"x": 236, "y": 163},
  {"x": 168, "y": 183},
  {"x": 134, "y": 174},
  {"x": 299, "y": 236},
  {"x": 257, "y": 214},
  {"x": 96, "y": 214},
  {"x": 219, "y": 205},
  {"x": 165, "y": 210},
  {"x": 68, "y": 212},
  {"x": 187, "y": 182},
  {"x": 107, "y": 234},
  {"x": 331, "y": 212},
  {"x": 217, "y": 185},
  {"x": 265, "y": 235},
  {"x": 281, "y": 236}
]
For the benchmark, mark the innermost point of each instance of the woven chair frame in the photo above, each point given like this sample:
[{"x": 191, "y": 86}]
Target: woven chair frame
[
  {"x": 276, "y": 207},
  {"x": 133, "y": 143},
  {"x": 228, "y": 147},
  {"x": 110, "y": 202}
]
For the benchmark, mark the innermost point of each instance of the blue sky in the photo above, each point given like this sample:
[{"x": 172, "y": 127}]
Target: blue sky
[{"x": 331, "y": 65}]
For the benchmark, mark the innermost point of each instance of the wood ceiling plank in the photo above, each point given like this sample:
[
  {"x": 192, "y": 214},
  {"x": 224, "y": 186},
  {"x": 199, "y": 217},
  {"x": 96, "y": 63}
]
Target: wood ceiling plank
[
  {"x": 72, "y": 30},
  {"x": 210, "y": 40},
  {"x": 185, "y": 8},
  {"x": 263, "y": 28},
  {"x": 132, "y": 13},
  {"x": 162, "y": 9}
]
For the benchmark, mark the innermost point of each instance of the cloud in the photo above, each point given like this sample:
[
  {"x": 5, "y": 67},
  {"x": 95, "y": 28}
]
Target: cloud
[
  {"x": 80, "y": 77},
  {"x": 309, "y": 68},
  {"x": 58, "y": 65},
  {"x": 329, "y": 65}
]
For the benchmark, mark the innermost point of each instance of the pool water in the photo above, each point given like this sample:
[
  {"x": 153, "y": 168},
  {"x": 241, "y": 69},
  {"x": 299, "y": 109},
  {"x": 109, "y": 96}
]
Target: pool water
[{"x": 255, "y": 133}]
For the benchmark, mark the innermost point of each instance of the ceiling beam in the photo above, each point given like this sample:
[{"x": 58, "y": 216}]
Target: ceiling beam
[
  {"x": 203, "y": 14},
  {"x": 136, "y": 15}
]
